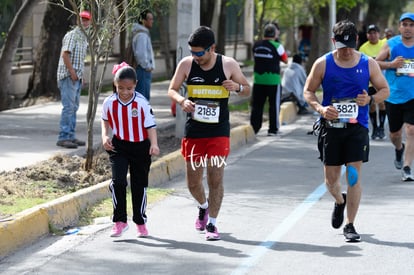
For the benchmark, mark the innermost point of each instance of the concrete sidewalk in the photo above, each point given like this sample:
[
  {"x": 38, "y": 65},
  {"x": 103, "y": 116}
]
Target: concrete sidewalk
[{"x": 29, "y": 135}]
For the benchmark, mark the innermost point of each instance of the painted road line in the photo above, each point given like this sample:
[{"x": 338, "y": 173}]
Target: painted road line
[{"x": 283, "y": 228}]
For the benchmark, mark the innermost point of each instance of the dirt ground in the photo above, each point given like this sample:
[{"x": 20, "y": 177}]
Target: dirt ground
[{"x": 63, "y": 173}]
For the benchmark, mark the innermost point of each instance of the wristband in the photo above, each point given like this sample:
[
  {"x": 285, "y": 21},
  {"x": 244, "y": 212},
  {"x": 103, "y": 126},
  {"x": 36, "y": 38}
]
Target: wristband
[{"x": 371, "y": 100}]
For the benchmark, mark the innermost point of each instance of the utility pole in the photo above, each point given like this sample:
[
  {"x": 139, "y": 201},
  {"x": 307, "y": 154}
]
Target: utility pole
[
  {"x": 188, "y": 19},
  {"x": 332, "y": 18}
]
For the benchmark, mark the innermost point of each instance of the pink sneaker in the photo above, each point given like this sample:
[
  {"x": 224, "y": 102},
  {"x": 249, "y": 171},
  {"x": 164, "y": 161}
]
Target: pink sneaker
[
  {"x": 201, "y": 220},
  {"x": 142, "y": 230},
  {"x": 119, "y": 228},
  {"x": 212, "y": 233}
]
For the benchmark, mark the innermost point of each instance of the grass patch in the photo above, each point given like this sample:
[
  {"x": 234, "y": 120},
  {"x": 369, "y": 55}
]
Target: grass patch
[
  {"x": 30, "y": 195},
  {"x": 244, "y": 106},
  {"x": 105, "y": 209}
]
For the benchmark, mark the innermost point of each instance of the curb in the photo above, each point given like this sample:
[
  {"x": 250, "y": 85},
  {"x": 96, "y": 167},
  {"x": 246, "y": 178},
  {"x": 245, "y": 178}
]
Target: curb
[{"x": 29, "y": 225}]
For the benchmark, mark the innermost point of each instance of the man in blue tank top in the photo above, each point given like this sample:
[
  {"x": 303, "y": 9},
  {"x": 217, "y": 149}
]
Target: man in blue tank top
[
  {"x": 397, "y": 58},
  {"x": 343, "y": 138},
  {"x": 210, "y": 78}
]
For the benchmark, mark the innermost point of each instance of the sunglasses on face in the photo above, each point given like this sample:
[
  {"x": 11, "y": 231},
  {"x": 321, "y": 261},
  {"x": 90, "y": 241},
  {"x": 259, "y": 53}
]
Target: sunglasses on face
[{"x": 201, "y": 53}]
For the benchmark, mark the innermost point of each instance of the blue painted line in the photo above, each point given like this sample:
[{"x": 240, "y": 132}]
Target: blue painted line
[{"x": 283, "y": 228}]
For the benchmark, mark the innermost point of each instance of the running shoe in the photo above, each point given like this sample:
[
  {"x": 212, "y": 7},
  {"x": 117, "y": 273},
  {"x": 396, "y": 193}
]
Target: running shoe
[
  {"x": 406, "y": 174},
  {"x": 142, "y": 230},
  {"x": 381, "y": 133},
  {"x": 374, "y": 133},
  {"x": 338, "y": 213},
  {"x": 119, "y": 228},
  {"x": 350, "y": 234},
  {"x": 201, "y": 220},
  {"x": 212, "y": 233},
  {"x": 399, "y": 161}
]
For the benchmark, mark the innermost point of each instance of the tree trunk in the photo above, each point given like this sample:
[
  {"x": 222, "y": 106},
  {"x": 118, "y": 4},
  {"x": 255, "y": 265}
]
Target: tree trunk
[
  {"x": 9, "y": 50},
  {"x": 165, "y": 41},
  {"x": 207, "y": 12},
  {"x": 122, "y": 33},
  {"x": 221, "y": 36},
  {"x": 260, "y": 24},
  {"x": 43, "y": 81},
  {"x": 321, "y": 36},
  {"x": 236, "y": 36}
]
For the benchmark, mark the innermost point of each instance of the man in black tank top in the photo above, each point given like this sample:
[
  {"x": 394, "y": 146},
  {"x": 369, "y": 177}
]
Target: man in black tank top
[{"x": 210, "y": 78}]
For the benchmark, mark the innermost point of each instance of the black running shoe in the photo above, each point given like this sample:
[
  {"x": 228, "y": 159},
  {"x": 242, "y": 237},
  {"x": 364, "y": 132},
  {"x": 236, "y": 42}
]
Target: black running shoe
[
  {"x": 338, "y": 213},
  {"x": 399, "y": 161},
  {"x": 381, "y": 133},
  {"x": 350, "y": 234}
]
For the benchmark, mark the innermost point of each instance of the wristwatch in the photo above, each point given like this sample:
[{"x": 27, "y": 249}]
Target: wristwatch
[{"x": 240, "y": 88}]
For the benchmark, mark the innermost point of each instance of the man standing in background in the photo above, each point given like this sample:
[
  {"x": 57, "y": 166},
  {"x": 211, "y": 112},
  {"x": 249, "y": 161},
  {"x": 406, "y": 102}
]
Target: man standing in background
[
  {"x": 371, "y": 48},
  {"x": 143, "y": 53},
  {"x": 69, "y": 74},
  {"x": 266, "y": 82}
]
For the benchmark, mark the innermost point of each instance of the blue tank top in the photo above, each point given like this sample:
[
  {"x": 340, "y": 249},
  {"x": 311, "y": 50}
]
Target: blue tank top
[
  {"x": 346, "y": 83},
  {"x": 401, "y": 83}
]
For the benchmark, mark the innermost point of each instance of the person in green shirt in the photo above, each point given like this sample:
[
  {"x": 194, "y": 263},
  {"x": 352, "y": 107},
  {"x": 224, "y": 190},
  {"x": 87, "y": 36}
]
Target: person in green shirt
[{"x": 268, "y": 53}]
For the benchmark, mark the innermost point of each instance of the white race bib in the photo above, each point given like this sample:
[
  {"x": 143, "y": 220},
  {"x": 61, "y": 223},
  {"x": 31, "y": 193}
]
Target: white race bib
[
  {"x": 346, "y": 110},
  {"x": 407, "y": 69},
  {"x": 207, "y": 112}
]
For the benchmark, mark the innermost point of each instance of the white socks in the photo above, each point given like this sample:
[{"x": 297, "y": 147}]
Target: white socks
[{"x": 204, "y": 205}]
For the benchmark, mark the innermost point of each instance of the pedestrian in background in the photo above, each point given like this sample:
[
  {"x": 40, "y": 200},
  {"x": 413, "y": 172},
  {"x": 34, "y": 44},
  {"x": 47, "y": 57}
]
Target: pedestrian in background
[
  {"x": 130, "y": 138},
  {"x": 143, "y": 52},
  {"x": 267, "y": 55},
  {"x": 371, "y": 48},
  {"x": 293, "y": 81},
  {"x": 343, "y": 137},
  {"x": 388, "y": 33},
  {"x": 210, "y": 77},
  {"x": 70, "y": 71},
  {"x": 396, "y": 57}
]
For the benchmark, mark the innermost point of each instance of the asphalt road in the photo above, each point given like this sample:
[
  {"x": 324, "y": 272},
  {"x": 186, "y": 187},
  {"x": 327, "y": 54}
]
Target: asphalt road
[{"x": 275, "y": 219}]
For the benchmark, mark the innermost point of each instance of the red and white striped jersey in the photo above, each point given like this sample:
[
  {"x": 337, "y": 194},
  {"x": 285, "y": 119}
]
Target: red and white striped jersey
[{"x": 128, "y": 121}]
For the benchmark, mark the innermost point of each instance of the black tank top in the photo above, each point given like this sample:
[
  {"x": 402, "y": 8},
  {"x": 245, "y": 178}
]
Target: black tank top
[{"x": 211, "y": 117}]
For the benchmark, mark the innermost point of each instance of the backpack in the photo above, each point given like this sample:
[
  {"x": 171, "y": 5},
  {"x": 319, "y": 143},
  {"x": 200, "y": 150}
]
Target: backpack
[
  {"x": 129, "y": 55},
  {"x": 129, "y": 51}
]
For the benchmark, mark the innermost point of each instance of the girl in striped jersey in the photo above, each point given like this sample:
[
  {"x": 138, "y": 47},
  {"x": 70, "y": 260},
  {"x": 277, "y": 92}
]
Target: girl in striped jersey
[{"x": 130, "y": 138}]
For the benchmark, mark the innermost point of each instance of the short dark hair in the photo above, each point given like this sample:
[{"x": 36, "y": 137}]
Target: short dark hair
[
  {"x": 297, "y": 59},
  {"x": 345, "y": 27},
  {"x": 203, "y": 37},
  {"x": 143, "y": 15},
  {"x": 269, "y": 30}
]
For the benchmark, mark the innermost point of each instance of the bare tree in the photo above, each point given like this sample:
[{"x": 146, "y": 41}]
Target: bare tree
[
  {"x": 9, "y": 49},
  {"x": 104, "y": 26}
]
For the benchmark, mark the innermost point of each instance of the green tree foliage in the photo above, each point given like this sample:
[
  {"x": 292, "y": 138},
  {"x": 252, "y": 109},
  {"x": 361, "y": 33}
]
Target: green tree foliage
[
  {"x": 8, "y": 8},
  {"x": 384, "y": 12},
  {"x": 8, "y": 50}
]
